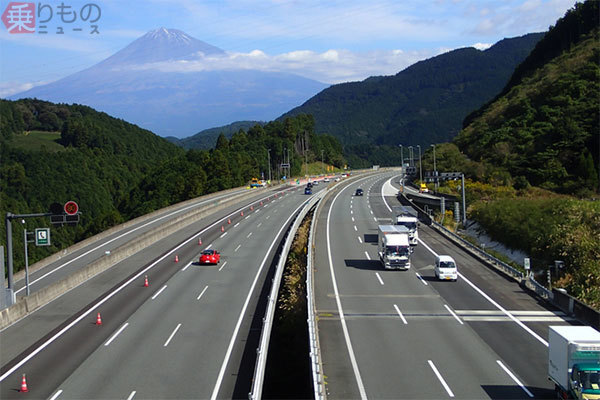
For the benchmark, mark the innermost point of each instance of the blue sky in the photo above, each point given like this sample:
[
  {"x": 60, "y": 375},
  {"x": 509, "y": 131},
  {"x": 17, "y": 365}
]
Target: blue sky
[{"x": 330, "y": 41}]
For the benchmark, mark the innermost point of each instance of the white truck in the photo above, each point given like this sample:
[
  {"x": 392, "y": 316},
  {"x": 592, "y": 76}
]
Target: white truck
[
  {"x": 574, "y": 361},
  {"x": 412, "y": 224},
  {"x": 393, "y": 246}
]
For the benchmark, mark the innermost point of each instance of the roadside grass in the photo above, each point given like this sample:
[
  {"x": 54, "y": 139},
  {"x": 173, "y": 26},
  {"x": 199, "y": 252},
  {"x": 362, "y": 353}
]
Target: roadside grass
[{"x": 37, "y": 141}]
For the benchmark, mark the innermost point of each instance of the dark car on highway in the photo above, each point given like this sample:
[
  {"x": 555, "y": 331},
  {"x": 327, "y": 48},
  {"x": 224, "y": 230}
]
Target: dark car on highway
[{"x": 359, "y": 192}]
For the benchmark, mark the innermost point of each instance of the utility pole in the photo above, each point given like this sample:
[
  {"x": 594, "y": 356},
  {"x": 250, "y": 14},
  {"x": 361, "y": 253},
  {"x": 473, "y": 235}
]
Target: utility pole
[
  {"x": 269, "y": 162},
  {"x": 402, "y": 157},
  {"x": 462, "y": 177},
  {"x": 434, "y": 168},
  {"x": 322, "y": 163},
  {"x": 420, "y": 165}
]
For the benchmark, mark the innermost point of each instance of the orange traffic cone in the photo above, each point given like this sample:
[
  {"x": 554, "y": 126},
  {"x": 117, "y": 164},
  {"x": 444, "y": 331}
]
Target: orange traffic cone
[
  {"x": 176, "y": 258},
  {"x": 98, "y": 320},
  {"x": 229, "y": 220},
  {"x": 251, "y": 208},
  {"x": 222, "y": 228},
  {"x": 146, "y": 284},
  {"x": 261, "y": 203},
  {"x": 199, "y": 241},
  {"x": 24, "y": 385},
  {"x": 242, "y": 213}
]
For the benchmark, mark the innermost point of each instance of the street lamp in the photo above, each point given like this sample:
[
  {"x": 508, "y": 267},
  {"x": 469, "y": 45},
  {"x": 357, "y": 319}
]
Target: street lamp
[
  {"x": 401, "y": 157},
  {"x": 434, "y": 168},
  {"x": 269, "y": 162},
  {"x": 410, "y": 155},
  {"x": 420, "y": 166},
  {"x": 322, "y": 163},
  {"x": 26, "y": 258}
]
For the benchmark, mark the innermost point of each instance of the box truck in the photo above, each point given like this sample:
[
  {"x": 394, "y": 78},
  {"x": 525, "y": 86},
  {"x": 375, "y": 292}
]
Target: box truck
[
  {"x": 574, "y": 361},
  {"x": 393, "y": 246},
  {"x": 412, "y": 223}
]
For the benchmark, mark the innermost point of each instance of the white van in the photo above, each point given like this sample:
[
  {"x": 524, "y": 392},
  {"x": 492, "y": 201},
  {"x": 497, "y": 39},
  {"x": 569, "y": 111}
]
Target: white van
[{"x": 445, "y": 268}]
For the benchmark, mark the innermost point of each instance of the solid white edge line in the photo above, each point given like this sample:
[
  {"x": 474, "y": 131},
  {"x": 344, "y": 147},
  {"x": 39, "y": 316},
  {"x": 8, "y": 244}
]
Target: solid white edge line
[
  {"x": 488, "y": 298},
  {"x": 131, "y": 396},
  {"x": 379, "y": 277},
  {"x": 159, "y": 292},
  {"x": 514, "y": 378},
  {"x": 223, "y": 265},
  {"x": 421, "y": 279},
  {"x": 109, "y": 341},
  {"x": 172, "y": 334},
  {"x": 243, "y": 311},
  {"x": 383, "y": 197},
  {"x": 453, "y": 314},
  {"x": 441, "y": 379},
  {"x": 359, "y": 382},
  {"x": 200, "y": 295},
  {"x": 400, "y": 314},
  {"x": 58, "y": 393}
]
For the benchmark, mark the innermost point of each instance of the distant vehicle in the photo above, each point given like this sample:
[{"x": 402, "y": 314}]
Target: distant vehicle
[
  {"x": 309, "y": 185},
  {"x": 344, "y": 175},
  {"x": 210, "y": 256},
  {"x": 326, "y": 180},
  {"x": 359, "y": 192},
  {"x": 393, "y": 247},
  {"x": 308, "y": 190},
  {"x": 424, "y": 188},
  {"x": 255, "y": 183},
  {"x": 337, "y": 179},
  {"x": 574, "y": 361},
  {"x": 412, "y": 224},
  {"x": 315, "y": 183},
  {"x": 445, "y": 268}
]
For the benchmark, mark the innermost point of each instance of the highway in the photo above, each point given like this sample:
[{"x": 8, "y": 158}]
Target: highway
[
  {"x": 190, "y": 334},
  {"x": 403, "y": 334}
]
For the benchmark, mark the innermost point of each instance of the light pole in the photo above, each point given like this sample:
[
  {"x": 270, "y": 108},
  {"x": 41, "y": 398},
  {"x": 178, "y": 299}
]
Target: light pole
[
  {"x": 269, "y": 162},
  {"x": 420, "y": 166},
  {"x": 26, "y": 258},
  {"x": 434, "y": 168},
  {"x": 322, "y": 163},
  {"x": 401, "y": 157},
  {"x": 410, "y": 155}
]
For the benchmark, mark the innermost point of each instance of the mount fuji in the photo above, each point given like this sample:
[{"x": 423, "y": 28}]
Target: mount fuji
[{"x": 144, "y": 84}]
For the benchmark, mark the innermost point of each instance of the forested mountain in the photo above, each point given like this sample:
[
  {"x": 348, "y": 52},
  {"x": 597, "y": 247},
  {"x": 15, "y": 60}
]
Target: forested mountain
[
  {"x": 207, "y": 138},
  {"x": 425, "y": 103},
  {"x": 116, "y": 171},
  {"x": 544, "y": 129}
]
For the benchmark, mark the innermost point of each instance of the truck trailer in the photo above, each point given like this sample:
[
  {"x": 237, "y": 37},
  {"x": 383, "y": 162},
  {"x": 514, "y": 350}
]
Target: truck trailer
[
  {"x": 393, "y": 246},
  {"x": 574, "y": 361},
  {"x": 412, "y": 224}
]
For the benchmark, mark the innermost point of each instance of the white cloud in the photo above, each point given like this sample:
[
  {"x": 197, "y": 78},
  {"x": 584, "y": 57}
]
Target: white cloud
[
  {"x": 331, "y": 66},
  {"x": 10, "y": 88},
  {"x": 482, "y": 46}
]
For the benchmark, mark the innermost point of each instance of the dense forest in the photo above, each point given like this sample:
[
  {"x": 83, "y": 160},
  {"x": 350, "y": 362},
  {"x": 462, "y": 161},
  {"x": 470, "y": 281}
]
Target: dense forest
[
  {"x": 425, "y": 103},
  {"x": 116, "y": 171}
]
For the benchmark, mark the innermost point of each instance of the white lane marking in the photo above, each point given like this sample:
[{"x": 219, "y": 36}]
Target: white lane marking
[
  {"x": 372, "y": 212},
  {"x": 267, "y": 217},
  {"x": 208, "y": 247},
  {"x": 383, "y": 197},
  {"x": 421, "y": 278},
  {"x": 236, "y": 225},
  {"x": 359, "y": 382},
  {"x": 379, "y": 277},
  {"x": 112, "y": 240},
  {"x": 58, "y": 393},
  {"x": 453, "y": 314},
  {"x": 132, "y": 395},
  {"x": 172, "y": 334},
  {"x": 259, "y": 224},
  {"x": 359, "y": 239},
  {"x": 488, "y": 298},
  {"x": 352, "y": 219},
  {"x": 159, "y": 292},
  {"x": 246, "y": 217},
  {"x": 351, "y": 212},
  {"x": 374, "y": 219},
  {"x": 243, "y": 311},
  {"x": 116, "y": 334},
  {"x": 238, "y": 247},
  {"x": 355, "y": 228},
  {"x": 223, "y": 235},
  {"x": 250, "y": 234},
  {"x": 439, "y": 376},
  {"x": 223, "y": 266},
  {"x": 200, "y": 295},
  {"x": 514, "y": 378},
  {"x": 187, "y": 266},
  {"x": 367, "y": 255},
  {"x": 400, "y": 314}
]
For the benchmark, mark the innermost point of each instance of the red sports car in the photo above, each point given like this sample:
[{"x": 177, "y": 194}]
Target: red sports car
[{"x": 210, "y": 256}]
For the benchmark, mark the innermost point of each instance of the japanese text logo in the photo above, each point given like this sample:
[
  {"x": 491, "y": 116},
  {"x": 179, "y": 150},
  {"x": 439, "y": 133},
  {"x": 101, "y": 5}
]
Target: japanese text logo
[{"x": 21, "y": 17}]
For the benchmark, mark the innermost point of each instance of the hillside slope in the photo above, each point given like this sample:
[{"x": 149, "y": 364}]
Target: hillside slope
[{"x": 423, "y": 104}]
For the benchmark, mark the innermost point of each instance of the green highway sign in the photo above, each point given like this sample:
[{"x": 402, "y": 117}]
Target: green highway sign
[{"x": 42, "y": 236}]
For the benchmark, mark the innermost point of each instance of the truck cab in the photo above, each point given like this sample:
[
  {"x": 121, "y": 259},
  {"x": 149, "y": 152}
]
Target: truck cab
[{"x": 393, "y": 247}]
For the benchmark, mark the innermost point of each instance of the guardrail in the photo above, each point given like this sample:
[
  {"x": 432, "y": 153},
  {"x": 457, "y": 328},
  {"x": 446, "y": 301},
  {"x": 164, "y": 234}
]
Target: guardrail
[{"x": 265, "y": 335}]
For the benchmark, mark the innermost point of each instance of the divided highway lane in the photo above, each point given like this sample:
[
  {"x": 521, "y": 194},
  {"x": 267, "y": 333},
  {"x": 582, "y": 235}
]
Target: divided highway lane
[
  {"x": 97, "y": 247},
  {"x": 396, "y": 334},
  {"x": 184, "y": 336}
]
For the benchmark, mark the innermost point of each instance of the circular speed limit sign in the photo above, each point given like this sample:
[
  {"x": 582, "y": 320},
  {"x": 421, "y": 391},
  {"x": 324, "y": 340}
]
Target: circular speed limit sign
[{"x": 71, "y": 208}]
